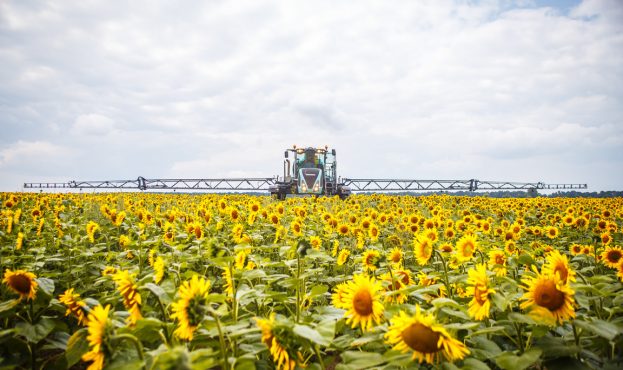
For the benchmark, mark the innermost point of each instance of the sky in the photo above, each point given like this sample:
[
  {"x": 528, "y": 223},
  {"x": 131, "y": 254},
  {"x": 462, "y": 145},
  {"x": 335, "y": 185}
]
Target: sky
[{"x": 492, "y": 90}]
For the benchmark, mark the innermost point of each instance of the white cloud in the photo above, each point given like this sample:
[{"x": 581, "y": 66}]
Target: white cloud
[
  {"x": 93, "y": 124},
  {"x": 406, "y": 89},
  {"x": 27, "y": 152}
]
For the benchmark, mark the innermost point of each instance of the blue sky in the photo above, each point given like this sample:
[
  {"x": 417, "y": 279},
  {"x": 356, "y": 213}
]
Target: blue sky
[{"x": 494, "y": 90}]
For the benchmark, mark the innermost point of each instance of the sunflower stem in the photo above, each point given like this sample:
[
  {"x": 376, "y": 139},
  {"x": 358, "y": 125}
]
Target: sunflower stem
[
  {"x": 135, "y": 341},
  {"x": 445, "y": 274},
  {"x": 577, "y": 339},
  {"x": 221, "y": 338},
  {"x": 317, "y": 351},
  {"x": 298, "y": 288}
]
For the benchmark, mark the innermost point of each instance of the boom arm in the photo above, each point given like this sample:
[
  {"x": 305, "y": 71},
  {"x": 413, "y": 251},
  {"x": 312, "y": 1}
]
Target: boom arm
[
  {"x": 262, "y": 183},
  {"x": 436, "y": 185},
  {"x": 141, "y": 183}
]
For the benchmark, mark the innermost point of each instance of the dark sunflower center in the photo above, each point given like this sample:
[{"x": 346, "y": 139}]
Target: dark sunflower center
[
  {"x": 21, "y": 284},
  {"x": 362, "y": 302},
  {"x": 614, "y": 256},
  {"x": 546, "y": 295},
  {"x": 421, "y": 338}
]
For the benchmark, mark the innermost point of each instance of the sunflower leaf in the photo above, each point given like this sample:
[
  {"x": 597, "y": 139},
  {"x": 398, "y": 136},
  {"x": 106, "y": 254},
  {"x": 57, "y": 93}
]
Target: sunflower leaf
[
  {"x": 8, "y": 305},
  {"x": 77, "y": 345},
  {"x": 602, "y": 328},
  {"x": 312, "y": 335},
  {"x": 510, "y": 361},
  {"x": 35, "y": 333}
]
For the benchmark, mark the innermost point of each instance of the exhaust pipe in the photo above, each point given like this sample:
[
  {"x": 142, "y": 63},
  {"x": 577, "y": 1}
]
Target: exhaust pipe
[{"x": 286, "y": 172}]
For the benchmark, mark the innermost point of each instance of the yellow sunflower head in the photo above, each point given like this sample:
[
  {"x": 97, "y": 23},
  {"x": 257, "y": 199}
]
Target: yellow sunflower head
[
  {"x": 276, "y": 336},
  {"x": 100, "y": 330},
  {"x": 421, "y": 335},
  {"x": 371, "y": 259},
  {"x": 422, "y": 249},
  {"x": 21, "y": 282},
  {"x": 611, "y": 256},
  {"x": 360, "y": 298},
  {"x": 395, "y": 255},
  {"x": 466, "y": 247},
  {"x": 191, "y": 307},
  {"x": 549, "y": 299},
  {"x": 557, "y": 264},
  {"x": 479, "y": 288},
  {"x": 343, "y": 256}
]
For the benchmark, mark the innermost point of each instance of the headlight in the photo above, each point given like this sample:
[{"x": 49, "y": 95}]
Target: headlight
[
  {"x": 304, "y": 187},
  {"x": 316, "y": 188}
]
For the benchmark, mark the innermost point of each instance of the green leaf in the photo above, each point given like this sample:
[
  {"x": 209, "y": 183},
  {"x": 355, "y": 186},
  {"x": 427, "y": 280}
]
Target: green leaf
[
  {"x": 77, "y": 346},
  {"x": 35, "y": 333},
  {"x": 360, "y": 360},
  {"x": 8, "y": 305},
  {"x": 123, "y": 364},
  {"x": 311, "y": 334},
  {"x": 525, "y": 259},
  {"x": 474, "y": 364},
  {"x": 602, "y": 328},
  {"x": 509, "y": 361},
  {"x": 158, "y": 292},
  {"x": 518, "y": 317},
  {"x": 46, "y": 285},
  {"x": 317, "y": 290}
]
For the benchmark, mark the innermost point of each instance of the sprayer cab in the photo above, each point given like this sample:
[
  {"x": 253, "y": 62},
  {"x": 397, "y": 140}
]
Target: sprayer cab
[{"x": 310, "y": 171}]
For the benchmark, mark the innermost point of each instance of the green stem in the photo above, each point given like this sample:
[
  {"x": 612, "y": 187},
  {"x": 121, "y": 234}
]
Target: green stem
[
  {"x": 317, "y": 351},
  {"x": 445, "y": 274},
  {"x": 298, "y": 288},
  {"x": 221, "y": 338}
]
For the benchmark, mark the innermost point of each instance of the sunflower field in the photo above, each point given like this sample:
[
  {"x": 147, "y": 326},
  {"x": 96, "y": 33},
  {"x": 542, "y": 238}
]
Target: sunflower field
[{"x": 174, "y": 281}]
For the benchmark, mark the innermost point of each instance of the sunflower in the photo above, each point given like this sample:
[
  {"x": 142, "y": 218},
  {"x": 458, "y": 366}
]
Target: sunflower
[
  {"x": 229, "y": 282},
  {"x": 131, "y": 297},
  {"x": 190, "y": 309},
  {"x": 124, "y": 241},
  {"x": 241, "y": 259},
  {"x": 374, "y": 232},
  {"x": 159, "y": 268},
  {"x": 466, "y": 247},
  {"x": 479, "y": 289},
  {"x": 342, "y": 258},
  {"x": 75, "y": 305},
  {"x": 395, "y": 255},
  {"x": 393, "y": 284},
  {"x": 21, "y": 282},
  {"x": 343, "y": 229},
  {"x": 575, "y": 249},
  {"x": 297, "y": 228},
  {"x": 281, "y": 355},
  {"x": 19, "y": 242},
  {"x": 99, "y": 329},
  {"x": 497, "y": 260},
  {"x": 424, "y": 337},
  {"x": 551, "y": 232},
  {"x": 548, "y": 298},
  {"x": 611, "y": 256},
  {"x": 315, "y": 242},
  {"x": 605, "y": 238},
  {"x": 422, "y": 249},
  {"x": 371, "y": 259},
  {"x": 360, "y": 298},
  {"x": 92, "y": 228},
  {"x": 404, "y": 276},
  {"x": 557, "y": 263}
]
